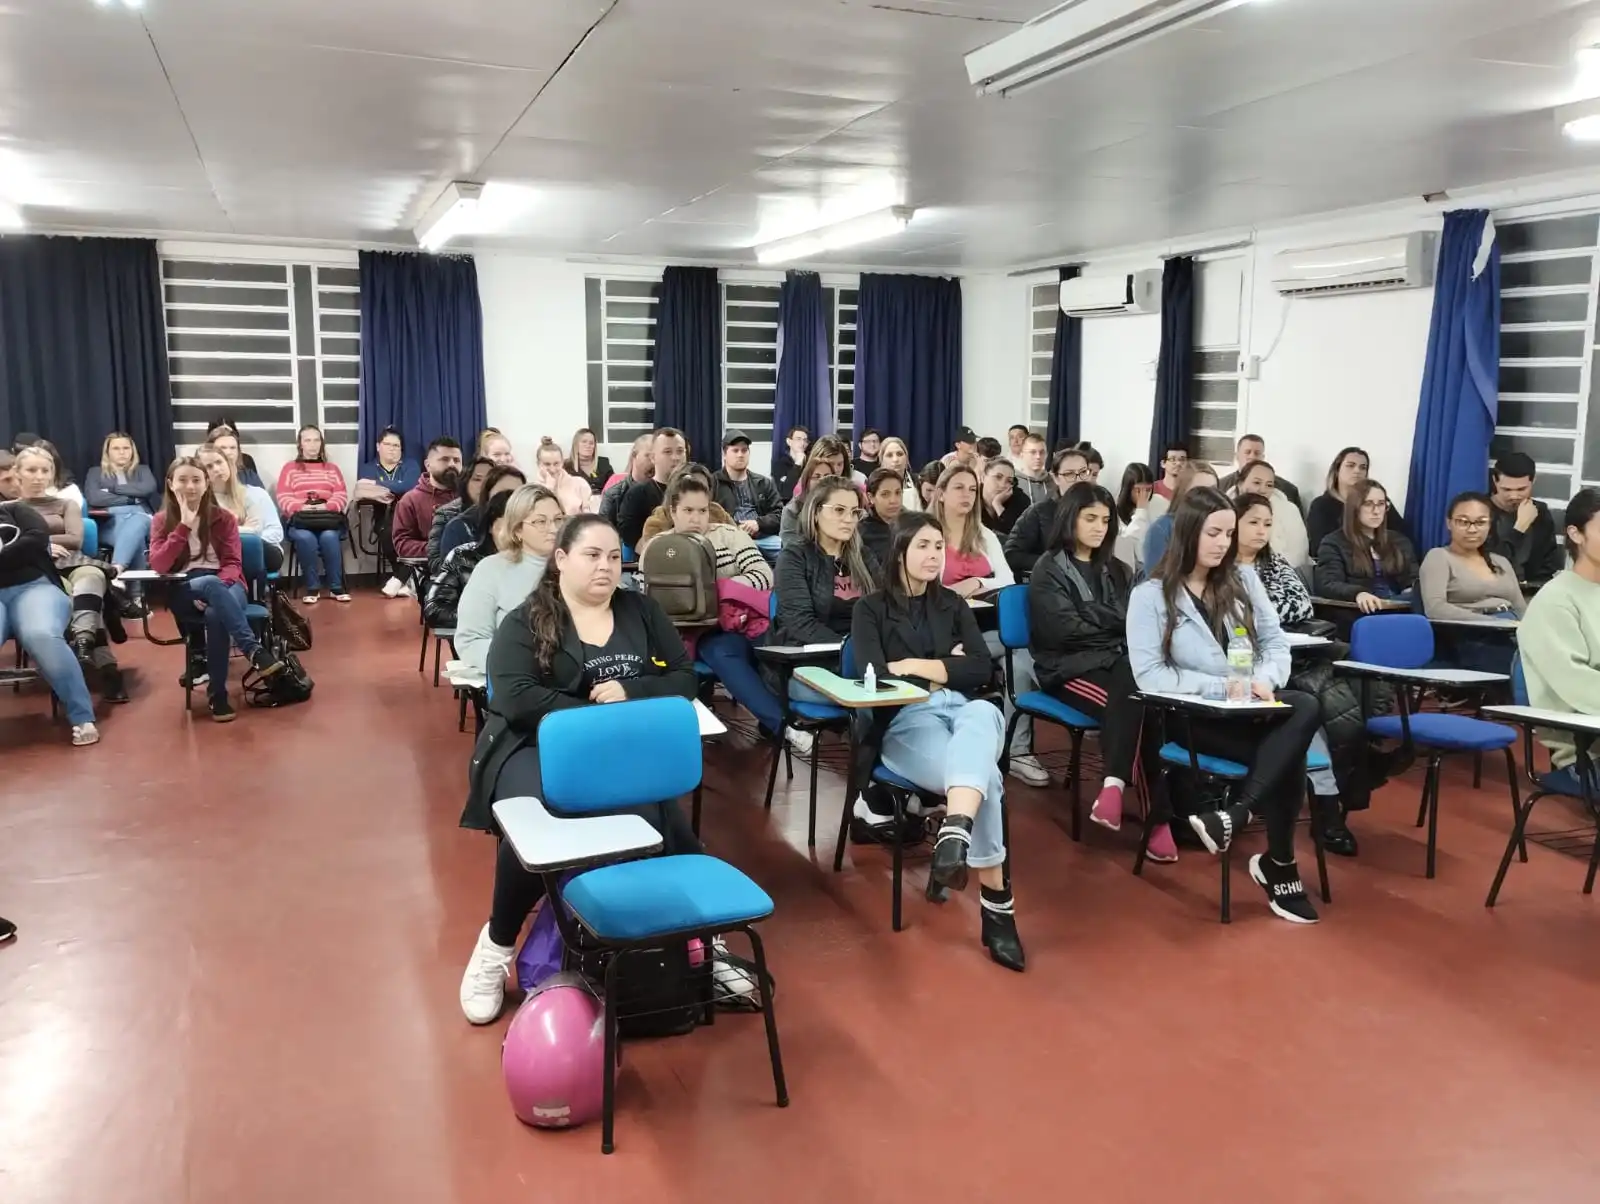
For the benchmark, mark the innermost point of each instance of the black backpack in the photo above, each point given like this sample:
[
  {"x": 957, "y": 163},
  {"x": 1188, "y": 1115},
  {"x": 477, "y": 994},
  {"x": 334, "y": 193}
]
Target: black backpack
[
  {"x": 680, "y": 572},
  {"x": 290, "y": 685},
  {"x": 658, "y": 993}
]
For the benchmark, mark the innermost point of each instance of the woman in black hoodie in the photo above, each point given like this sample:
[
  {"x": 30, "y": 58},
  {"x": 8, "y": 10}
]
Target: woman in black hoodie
[
  {"x": 1078, "y": 611},
  {"x": 917, "y": 630}
]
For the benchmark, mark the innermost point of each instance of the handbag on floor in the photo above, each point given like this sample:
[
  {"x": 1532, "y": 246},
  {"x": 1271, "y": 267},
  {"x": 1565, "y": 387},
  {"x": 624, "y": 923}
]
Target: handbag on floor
[{"x": 292, "y": 626}]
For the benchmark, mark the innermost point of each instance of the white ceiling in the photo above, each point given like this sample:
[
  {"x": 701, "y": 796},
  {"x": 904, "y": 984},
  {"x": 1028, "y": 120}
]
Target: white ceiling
[{"x": 692, "y": 128}]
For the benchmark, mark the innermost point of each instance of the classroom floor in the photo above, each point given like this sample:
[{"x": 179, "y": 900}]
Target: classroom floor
[{"x": 240, "y": 947}]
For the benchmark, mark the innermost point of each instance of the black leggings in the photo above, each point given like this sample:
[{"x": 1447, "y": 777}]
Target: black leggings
[
  {"x": 1107, "y": 695},
  {"x": 1276, "y": 755},
  {"x": 518, "y": 890}
]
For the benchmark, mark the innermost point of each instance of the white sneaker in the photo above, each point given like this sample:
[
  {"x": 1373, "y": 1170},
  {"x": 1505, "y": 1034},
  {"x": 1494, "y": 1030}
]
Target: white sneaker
[
  {"x": 731, "y": 977},
  {"x": 799, "y": 742},
  {"x": 410, "y": 588},
  {"x": 483, "y": 986},
  {"x": 392, "y": 587},
  {"x": 85, "y": 734},
  {"x": 1027, "y": 769}
]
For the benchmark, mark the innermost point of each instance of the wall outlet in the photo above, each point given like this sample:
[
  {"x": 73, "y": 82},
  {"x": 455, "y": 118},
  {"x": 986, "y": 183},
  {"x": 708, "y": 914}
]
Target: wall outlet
[{"x": 1250, "y": 367}]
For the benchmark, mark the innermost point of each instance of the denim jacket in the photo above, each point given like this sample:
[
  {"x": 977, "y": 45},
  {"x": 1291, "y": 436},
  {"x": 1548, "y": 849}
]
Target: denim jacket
[{"x": 1198, "y": 661}]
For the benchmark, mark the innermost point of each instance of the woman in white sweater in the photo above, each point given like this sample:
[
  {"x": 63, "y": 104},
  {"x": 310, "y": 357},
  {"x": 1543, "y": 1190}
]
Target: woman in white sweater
[
  {"x": 526, "y": 535},
  {"x": 1289, "y": 538}
]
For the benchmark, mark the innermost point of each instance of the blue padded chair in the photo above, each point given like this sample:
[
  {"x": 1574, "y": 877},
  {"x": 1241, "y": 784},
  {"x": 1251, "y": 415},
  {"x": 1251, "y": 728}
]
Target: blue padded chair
[
  {"x": 1576, "y": 781},
  {"x": 1012, "y": 604},
  {"x": 91, "y": 535},
  {"x": 1405, "y": 641},
  {"x": 252, "y": 560},
  {"x": 639, "y": 905},
  {"x": 813, "y": 717}
]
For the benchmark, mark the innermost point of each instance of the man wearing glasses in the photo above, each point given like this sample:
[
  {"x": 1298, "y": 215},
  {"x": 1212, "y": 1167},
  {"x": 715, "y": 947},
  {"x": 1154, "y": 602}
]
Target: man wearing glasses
[{"x": 1030, "y": 537}]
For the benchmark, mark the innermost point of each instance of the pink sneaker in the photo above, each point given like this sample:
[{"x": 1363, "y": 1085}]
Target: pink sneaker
[
  {"x": 1107, "y": 809},
  {"x": 1161, "y": 847}
]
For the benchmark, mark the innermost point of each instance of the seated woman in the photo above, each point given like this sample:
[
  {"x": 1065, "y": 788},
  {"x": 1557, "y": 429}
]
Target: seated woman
[
  {"x": 660, "y": 520},
  {"x": 578, "y": 640},
  {"x": 916, "y": 630},
  {"x": 223, "y": 431},
  {"x": 84, "y": 579},
  {"x": 885, "y": 503},
  {"x": 1467, "y": 583},
  {"x": 1289, "y": 540},
  {"x": 441, "y": 600},
  {"x": 468, "y": 526},
  {"x": 973, "y": 563},
  {"x": 1257, "y": 516},
  {"x": 312, "y": 497},
  {"x": 1326, "y": 515},
  {"x": 1003, "y": 502},
  {"x": 1560, "y": 642},
  {"x": 522, "y": 530},
  {"x": 895, "y": 456},
  {"x": 1133, "y": 514},
  {"x": 1179, "y": 625},
  {"x": 1366, "y": 561},
  {"x": 1078, "y": 618},
  {"x": 469, "y": 491},
  {"x": 34, "y": 611},
  {"x": 586, "y": 462},
  {"x": 192, "y": 534},
  {"x": 928, "y": 481},
  {"x": 1193, "y": 476},
  {"x": 250, "y": 505},
  {"x": 126, "y": 489},
  {"x": 823, "y": 572},
  {"x": 829, "y": 457},
  {"x": 63, "y": 486},
  {"x": 573, "y": 491}
]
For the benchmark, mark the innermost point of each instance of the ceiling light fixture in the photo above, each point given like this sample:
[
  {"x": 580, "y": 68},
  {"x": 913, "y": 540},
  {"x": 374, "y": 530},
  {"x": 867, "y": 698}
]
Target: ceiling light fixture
[
  {"x": 1077, "y": 33},
  {"x": 11, "y": 217},
  {"x": 866, "y": 228},
  {"x": 1580, "y": 122},
  {"x": 453, "y": 214},
  {"x": 135, "y": 5}
]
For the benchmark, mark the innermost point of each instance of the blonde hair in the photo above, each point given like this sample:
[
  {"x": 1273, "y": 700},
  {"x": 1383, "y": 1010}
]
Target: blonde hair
[
  {"x": 853, "y": 554},
  {"x": 231, "y": 497},
  {"x": 548, "y": 444},
  {"x": 970, "y": 540},
  {"x": 105, "y": 453},
  {"x": 484, "y": 436},
  {"x": 901, "y": 444},
  {"x": 519, "y": 509},
  {"x": 43, "y": 453}
]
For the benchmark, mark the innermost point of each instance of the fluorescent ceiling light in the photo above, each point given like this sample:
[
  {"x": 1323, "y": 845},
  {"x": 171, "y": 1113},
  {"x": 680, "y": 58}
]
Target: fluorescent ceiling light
[
  {"x": 1077, "y": 33},
  {"x": 11, "y": 217},
  {"x": 453, "y": 214},
  {"x": 1580, "y": 122},
  {"x": 133, "y": 4},
  {"x": 866, "y": 228}
]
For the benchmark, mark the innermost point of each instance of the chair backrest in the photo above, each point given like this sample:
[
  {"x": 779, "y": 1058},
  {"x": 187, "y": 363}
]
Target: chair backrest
[
  {"x": 847, "y": 659},
  {"x": 1393, "y": 641},
  {"x": 91, "y": 534},
  {"x": 1012, "y": 602},
  {"x": 772, "y": 606},
  {"x": 627, "y": 554},
  {"x": 252, "y": 558},
  {"x": 601, "y": 758},
  {"x": 1519, "y": 682}
]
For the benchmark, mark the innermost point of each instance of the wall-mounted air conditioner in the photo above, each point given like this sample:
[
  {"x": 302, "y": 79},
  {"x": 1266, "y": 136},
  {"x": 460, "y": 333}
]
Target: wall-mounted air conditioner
[
  {"x": 1405, "y": 261},
  {"x": 1102, "y": 296}
]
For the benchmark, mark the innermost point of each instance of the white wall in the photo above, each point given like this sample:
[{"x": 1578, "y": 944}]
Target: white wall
[{"x": 994, "y": 353}]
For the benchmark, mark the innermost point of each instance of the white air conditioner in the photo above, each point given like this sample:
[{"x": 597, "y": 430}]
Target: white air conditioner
[
  {"x": 1405, "y": 261},
  {"x": 1102, "y": 296}
]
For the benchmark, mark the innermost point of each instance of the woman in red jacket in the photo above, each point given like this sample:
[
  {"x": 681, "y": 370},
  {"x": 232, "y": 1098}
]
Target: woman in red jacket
[
  {"x": 192, "y": 534},
  {"x": 312, "y": 498}
]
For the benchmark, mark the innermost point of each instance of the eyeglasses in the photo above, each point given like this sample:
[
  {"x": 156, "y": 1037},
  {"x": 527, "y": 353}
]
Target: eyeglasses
[
  {"x": 1075, "y": 474},
  {"x": 1469, "y": 524},
  {"x": 1375, "y": 507},
  {"x": 541, "y": 522},
  {"x": 853, "y": 515}
]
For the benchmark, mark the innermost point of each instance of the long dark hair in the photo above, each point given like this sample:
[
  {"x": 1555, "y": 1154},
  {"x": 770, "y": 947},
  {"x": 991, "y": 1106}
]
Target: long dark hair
[
  {"x": 492, "y": 511},
  {"x": 1365, "y": 547},
  {"x": 878, "y": 477},
  {"x": 1226, "y": 600},
  {"x": 1134, "y": 474},
  {"x": 1482, "y": 499},
  {"x": 547, "y": 609},
  {"x": 1064, "y": 534},
  {"x": 497, "y": 474},
  {"x": 204, "y": 512},
  {"x": 1332, "y": 483},
  {"x": 466, "y": 478},
  {"x": 906, "y": 528}
]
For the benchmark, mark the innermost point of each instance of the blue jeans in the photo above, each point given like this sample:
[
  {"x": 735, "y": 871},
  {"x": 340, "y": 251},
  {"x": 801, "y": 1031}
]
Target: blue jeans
[
  {"x": 729, "y": 656},
  {"x": 127, "y": 529},
  {"x": 220, "y": 622},
  {"x": 307, "y": 545},
  {"x": 1023, "y": 682},
  {"x": 37, "y": 613},
  {"x": 949, "y": 742}
]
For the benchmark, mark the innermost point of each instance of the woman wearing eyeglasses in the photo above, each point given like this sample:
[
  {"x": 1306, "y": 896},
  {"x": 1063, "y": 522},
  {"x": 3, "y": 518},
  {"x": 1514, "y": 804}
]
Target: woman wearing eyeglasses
[
  {"x": 1467, "y": 583},
  {"x": 1367, "y": 561},
  {"x": 823, "y": 572},
  {"x": 525, "y": 537}
]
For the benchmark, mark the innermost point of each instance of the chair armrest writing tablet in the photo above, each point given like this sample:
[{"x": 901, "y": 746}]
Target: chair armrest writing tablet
[
  {"x": 799, "y": 654},
  {"x": 852, "y": 695},
  {"x": 1568, "y": 721},
  {"x": 545, "y": 844},
  {"x": 1441, "y": 677}
]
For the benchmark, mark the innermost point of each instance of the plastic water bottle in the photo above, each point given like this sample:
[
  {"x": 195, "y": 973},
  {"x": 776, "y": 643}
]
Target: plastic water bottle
[
  {"x": 869, "y": 679},
  {"x": 1241, "y": 665}
]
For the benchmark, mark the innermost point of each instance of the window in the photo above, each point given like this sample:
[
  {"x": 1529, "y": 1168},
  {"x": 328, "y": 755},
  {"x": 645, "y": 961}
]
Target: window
[
  {"x": 1045, "y": 303},
  {"x": 621, "y": 327},
  {"x": 1549, "y": 388},
  {"x": 1214, "y": 385},
  {"x": 275, "y": 345}
]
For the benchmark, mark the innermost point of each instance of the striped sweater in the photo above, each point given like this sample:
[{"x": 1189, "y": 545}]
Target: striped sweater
[{"x": 301, "y": 478}]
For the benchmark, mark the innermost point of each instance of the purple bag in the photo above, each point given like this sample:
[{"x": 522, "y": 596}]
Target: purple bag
[{"x": 540, "y": 955}]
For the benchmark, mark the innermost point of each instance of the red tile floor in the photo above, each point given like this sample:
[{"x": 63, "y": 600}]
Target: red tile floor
[{"x": 236, "y": 983}]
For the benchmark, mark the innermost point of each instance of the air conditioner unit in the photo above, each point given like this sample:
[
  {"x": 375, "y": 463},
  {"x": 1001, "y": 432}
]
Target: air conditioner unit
[
  {"x": 1405, "y": 261},
  {"x": 1102, "y": 296}
]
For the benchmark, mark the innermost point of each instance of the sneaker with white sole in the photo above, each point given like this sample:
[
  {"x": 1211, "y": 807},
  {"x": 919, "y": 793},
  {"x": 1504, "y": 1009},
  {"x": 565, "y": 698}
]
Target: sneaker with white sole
[
  {"x": 85, "y": 734},
  {"x": 483, "y": 986},
  {"x": 393, "y": 587},
  {"x": 800, "y": 743},
  {"x": 1216, "y": 829},
  {"x": 733, "y": 979},
  {"x": 410, "y": 588},
  {"x": 1027, "y": 769},
  {"x": 1286, "y": 894}
]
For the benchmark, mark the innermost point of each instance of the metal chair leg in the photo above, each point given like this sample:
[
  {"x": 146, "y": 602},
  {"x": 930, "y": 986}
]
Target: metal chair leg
[
  {"x": 1516, "y": 805},
  {"x": 772, "y": 776},
  {"x": 811, "y": 823},
  {"x": 1431, "y": 801},
  {"x": 779, "y": 1084},
  {"x": 422, "y": 656},
  {"x": 694, "y": 813},
  {"x": 609, "y": 1092},
  {"x": 1477, "y": 770},
  {"x": 438, "y": 647},
  {"x": 897, "y": 835},
  {"x": 1226, "y": 858},
  {"x": 1594, "y": 864},
  {"x": 1518, "y": 839},
  {"x": 1074, "y": 784}
]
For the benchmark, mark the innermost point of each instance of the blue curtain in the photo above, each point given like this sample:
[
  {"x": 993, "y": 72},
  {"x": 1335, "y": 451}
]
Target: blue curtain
[
  {"x": 688, "y": 360},
  {"x": 1066, "y": 377},
  {"x": 83, "y": 347},
  {"x": 1175, "y": 368},
  {"x": 1460, "y": 378},
  {"x": 908, "y": 361},
  {"x": 805, "y": 394},
  {"x": 421, "y": 349}
]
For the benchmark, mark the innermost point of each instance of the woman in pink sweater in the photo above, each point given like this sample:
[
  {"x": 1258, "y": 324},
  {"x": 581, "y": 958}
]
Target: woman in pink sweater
[
  {"x": 572, "y": 492},
  {"x": 312, "y": 499}
]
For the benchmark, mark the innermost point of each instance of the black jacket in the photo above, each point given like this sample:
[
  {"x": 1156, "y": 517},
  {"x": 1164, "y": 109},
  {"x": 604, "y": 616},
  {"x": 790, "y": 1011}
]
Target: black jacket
[
  {"x": 25, "y": 554},
  {"x": 805, "y": 578},
  {"x": 769, "y": 506},
  {"x": 785, "y": 476},
  {"x": 1325, "y": 516},
  {"x": 523, "y": 693},
  {"x": 1031, "y": 536},
  {"x": 878, "y": 536},
  {"x": 1336, "y": 575},
  {"x": 881, "y": 631},
  {"x": 635, "y": 509},
  {"x": 442, "y": 598},
  {"x": 1010, "y": 514},
  {"x": 1071, "y": 632},
  {"x": 1535, "y": 553}
]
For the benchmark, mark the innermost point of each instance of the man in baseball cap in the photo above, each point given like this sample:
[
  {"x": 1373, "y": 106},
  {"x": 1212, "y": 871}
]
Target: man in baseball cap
[
  {"x": 751, "y": 498},
  {"x": 966, "y": 448}
]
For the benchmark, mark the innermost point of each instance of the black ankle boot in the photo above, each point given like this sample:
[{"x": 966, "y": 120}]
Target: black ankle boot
[
  {"x": 950, "y": 852},
  {"x": 1000, "y": 928},
  {"x": 1327, "y": 817}
]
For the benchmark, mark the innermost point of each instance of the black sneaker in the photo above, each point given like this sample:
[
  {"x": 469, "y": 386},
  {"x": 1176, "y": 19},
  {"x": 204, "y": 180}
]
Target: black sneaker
[
  {"x": 264, "y": 663},
  {"x": 112, "y": 688},
  {"x": 196, "y": 674},
  {"x": 1216, "y": 829},
  {"x": 874, "y": 827},
  {"x": 8, "y": 930},
  {"x": 222, "y": 710},
  {"x": 1286, "y": 894}
]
